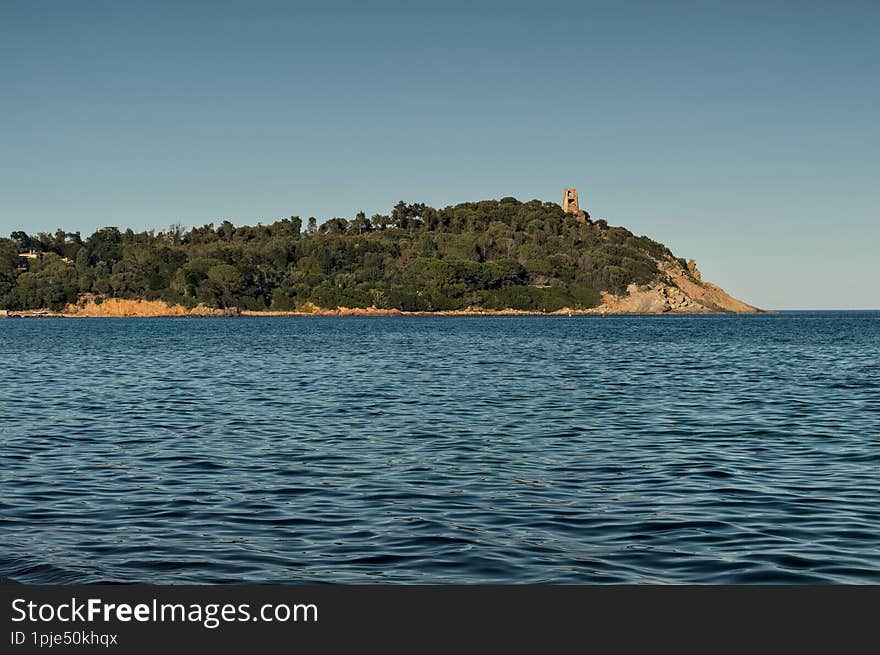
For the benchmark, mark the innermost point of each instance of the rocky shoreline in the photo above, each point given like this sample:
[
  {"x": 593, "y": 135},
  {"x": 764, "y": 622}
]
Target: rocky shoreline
[{"x": 173, "y": 312}]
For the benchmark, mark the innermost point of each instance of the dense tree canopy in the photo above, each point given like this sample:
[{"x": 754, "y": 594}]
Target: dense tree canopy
[{"x": 494, "y": 254}]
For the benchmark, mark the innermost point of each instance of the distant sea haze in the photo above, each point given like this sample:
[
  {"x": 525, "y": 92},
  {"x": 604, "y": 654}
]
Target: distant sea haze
[{"x": 670, "y": 449}]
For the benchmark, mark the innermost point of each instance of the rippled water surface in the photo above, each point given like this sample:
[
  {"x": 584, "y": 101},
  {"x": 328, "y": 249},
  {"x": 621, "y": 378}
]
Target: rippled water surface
[{"x": 479, "y": 450}]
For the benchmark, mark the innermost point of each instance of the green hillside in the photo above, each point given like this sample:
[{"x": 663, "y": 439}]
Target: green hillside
[{"x": 495, "y": 254}]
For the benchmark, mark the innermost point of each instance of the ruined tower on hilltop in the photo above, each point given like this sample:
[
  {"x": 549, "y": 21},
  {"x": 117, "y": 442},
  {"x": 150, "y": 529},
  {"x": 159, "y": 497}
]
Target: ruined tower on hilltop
[
  {"x": 570, "y": 204},
  {"x": 570, "y": 201}
]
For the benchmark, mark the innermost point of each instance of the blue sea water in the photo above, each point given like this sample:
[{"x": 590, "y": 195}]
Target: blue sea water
[{"x": 702, "y": 449}]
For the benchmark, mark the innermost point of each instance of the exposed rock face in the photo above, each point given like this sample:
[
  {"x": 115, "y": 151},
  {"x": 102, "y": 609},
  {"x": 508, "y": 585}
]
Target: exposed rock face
[
  {"x": 710, "y": 296},
  {"x": 652, "y": 299},
  {"x": 683, "y": 291},
  {"x": 119, "y": 307}
]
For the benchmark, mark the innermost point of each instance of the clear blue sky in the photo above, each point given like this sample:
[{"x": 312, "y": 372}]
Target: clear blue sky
[{"x": 744, "y": 134}]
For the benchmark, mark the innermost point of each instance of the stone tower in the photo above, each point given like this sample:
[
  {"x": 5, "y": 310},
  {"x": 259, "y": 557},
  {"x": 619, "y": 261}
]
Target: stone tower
[
  {"x": 570, "y": 205},
  {"x": 570, "y": 201}
]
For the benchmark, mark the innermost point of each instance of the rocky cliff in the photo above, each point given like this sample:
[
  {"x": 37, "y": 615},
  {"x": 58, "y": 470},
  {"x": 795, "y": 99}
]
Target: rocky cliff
[{"x": 679, "y": 289}]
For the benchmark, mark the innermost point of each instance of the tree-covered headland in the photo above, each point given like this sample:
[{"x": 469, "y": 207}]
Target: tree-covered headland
[{"x": 495, "y": 254}]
